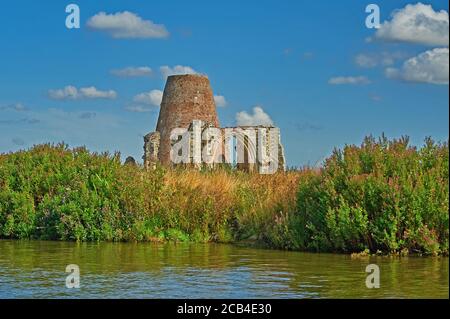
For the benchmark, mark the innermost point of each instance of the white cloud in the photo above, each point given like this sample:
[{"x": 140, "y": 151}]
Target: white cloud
[
  {"x": 138, "y": 108},
  {"x": 366, "y": 61},
  {"x": 93, "y": 93},
  {"x": 176, "y": 70},
  {"x": 126, "y": 24},
  {"x": 259, "y": 117},
  {"x": 431, "y": 66},
  {"x": 416, "y": 23},
  {"x": 154, "y": 97},
  {"x": 70, "y": 92},
  {"x": 132, "y": 71},
  {"x": 220, "y": 100},
  {"x": 374, "y": 59},
  {"x": 348, "y": 80}
]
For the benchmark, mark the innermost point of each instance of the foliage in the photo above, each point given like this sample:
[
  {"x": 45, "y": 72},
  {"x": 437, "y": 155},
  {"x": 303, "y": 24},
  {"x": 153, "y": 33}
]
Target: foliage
[
  {"x": 56, "y": 193},
  {"x": 383, "y": 195}
]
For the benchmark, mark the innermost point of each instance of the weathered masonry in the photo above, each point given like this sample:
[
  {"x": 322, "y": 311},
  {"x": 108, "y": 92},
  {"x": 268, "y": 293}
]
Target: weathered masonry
[{"x": 188, "y": 106}]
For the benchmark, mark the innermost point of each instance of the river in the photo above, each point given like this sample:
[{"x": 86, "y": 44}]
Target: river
[{"x": 36, "y": 269}]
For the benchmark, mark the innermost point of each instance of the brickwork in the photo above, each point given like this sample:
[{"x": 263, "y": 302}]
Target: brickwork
[{"x": 186, "y": 98}]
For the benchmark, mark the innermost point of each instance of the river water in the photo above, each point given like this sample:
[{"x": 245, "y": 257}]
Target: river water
[{"x": 36, "y": 269}]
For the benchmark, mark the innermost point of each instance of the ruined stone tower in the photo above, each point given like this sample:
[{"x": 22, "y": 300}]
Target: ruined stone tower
[
  {"x": 188, "y": 105},
  {"x": 186, "y": 98}
]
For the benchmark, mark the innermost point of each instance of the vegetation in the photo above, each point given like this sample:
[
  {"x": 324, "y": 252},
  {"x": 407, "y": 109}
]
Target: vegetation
[{"x": 383, "y": 195}]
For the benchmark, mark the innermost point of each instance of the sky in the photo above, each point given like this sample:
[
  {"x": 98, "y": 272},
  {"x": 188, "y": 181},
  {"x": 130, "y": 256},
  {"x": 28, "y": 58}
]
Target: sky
[{"x": 312, "y": 68}]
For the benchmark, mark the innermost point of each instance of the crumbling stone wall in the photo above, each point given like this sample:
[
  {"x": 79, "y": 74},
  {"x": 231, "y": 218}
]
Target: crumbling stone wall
[
  {"x": 151, "y": 149},
  {"x": 249, "y": 141}
]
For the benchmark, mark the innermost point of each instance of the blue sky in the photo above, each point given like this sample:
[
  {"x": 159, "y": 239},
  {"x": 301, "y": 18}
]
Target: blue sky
[{"x": 313, "y": 67}]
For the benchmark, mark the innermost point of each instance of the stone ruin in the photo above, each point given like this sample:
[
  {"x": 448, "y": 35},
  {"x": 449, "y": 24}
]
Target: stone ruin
[{"x": 188, "y": 104}]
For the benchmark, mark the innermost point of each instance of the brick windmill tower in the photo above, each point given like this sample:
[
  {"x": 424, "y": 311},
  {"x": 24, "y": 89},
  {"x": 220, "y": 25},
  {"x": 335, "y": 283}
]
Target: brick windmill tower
[{"x": 186, "y": 98}]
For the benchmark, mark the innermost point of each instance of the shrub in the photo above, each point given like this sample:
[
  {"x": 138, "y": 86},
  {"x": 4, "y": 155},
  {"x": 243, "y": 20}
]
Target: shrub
[
  {"x": 56, "y": 193},
  {"x": 384, "y": 195}
]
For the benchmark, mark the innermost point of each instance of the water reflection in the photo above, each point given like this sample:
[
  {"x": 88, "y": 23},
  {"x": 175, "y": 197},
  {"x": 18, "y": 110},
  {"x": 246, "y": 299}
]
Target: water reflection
[{"x": 35, "y": 269}]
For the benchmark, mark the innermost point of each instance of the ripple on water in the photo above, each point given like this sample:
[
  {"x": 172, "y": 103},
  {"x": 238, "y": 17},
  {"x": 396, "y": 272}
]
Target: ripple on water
[{"x": 36, "y": 269}]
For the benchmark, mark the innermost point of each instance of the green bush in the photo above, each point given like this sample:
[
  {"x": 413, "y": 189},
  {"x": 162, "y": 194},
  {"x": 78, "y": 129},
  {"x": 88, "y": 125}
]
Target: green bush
[
  {"x": 56, "y": 193},
  {"x": 384, "y": 195}
]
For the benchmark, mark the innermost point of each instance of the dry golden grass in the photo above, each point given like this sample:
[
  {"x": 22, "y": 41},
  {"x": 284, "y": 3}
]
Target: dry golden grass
[{"x": 252, "y": 199}]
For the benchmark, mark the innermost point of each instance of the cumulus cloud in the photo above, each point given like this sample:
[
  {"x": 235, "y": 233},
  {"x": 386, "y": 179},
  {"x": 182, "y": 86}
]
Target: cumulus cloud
[
  {"x": 93, "y": 93},
  {"x": 176, "y": 70},
  {"x": 258, "y": 117},
  {"x": 431, "y": 66},
  {"x": 220, "y": 100},
  {"x": 416, "y": 23},
  {"x": 70, "y": 92},
  {"x": 126, "y": 24},
  {"x": 339, "y": 80},
  {"x": 129, "y": 72},
  {"x": 154, "y": 97},
  {"x": 145, "y": 102}
]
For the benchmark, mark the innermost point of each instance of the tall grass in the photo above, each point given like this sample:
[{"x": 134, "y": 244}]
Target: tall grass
[
  {"x": 53, "y": 192},
  {"x": 380, "y": 196}
]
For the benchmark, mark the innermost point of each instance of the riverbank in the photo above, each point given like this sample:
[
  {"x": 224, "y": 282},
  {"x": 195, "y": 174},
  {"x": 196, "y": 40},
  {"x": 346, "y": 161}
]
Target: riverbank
[{"x": 381, "y": 196}]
